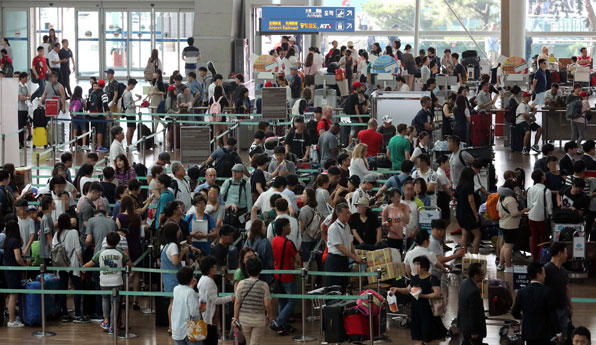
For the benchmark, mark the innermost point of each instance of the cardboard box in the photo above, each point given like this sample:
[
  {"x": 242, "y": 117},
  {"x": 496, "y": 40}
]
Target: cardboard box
[
  {"x": 470, "y": 258},
  {"x": 380, "y": 257},
  {"x": 389, "y": 271}
]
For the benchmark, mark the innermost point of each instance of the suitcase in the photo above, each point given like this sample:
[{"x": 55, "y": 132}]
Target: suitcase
[
  {"x": 499, "y": 297},
  {"x": 30, "y": 304},
  {"x": 333, "y": 321},
  {"x": 516, "y": 139},
  {"x": 161, "y": 311},
  {"x": 566, "y": 216},
  {"x": 59, "y": 133},
  {"x": 40, "y": 136},
  {"x": 149, "y": 143},
  {"x": 481, "y": 135},
  {"x": 468, "y": 54}
]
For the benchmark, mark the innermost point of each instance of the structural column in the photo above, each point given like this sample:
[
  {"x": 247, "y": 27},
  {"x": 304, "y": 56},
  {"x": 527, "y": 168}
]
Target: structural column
[{"x": 517, "y": 27}]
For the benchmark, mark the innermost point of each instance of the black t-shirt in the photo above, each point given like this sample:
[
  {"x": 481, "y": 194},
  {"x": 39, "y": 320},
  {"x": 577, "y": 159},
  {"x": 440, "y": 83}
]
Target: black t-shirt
[
  {"x": 220, "y": 253},
  {"x": 554, "y": 183},
  {"x": 556, "y": 280},
  {"x": 109, "y": 191},
  {"x": 464, "y": 209},
  {"x": 298, "y": 142},
  {"x": 9, "y": 257},
  {"x": 388, "y": 133},
  {"x": 65, "y": 54},
  {"x": 311, "y": 129},
  {"x": 258, "y": 176},
  {"x": 367, "y": 230},
  {"x": 460, "y": 70},
  {"x": 579, "y": 201},
  {"x": 351, "y": 103}
]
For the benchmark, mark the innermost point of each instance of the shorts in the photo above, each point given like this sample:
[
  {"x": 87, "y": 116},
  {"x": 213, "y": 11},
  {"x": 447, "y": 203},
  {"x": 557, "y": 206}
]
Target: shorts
[
  {"x": 133, "y": 118},
  {"x": 79, "y": 123},
  {"x": 468, "y": 222},
  {"x": 526, "y": 127},
  {"x": 510, "y": 235},
  {"x": 99, "y": 126},
  {"x": 443, "y": 200}
]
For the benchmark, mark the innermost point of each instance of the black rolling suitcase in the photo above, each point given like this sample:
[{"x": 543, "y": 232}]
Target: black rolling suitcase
[
  {"x": 517, "y": 138},
  {"x": 333, "y": 321},
  {"x": 161, "y": 311}
]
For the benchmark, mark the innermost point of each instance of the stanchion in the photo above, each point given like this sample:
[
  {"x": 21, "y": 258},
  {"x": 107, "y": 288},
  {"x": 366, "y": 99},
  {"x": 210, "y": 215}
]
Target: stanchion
[
  {"x": 43, "y": 332},
  {"x": 3, "y": 148},
  {"x": 126, "y": 334},
  {"x": 360, "y": 277},
  {"x": 175, "y": 137},
  {"x": 25, "y": 151},
  {"x": 223, "y": 309},
  {"x": 165, "y": 139},
  {"x": 370, "y": 319},
  {"x": 38, "y": 171},
  {"x": 92, "y": 139},
  {"x": 143, "y": 151},
  {"x": 303, "y": 338},
  {"x": 55, "y": 130},
  {"x": 114, "y": 322},
  {"x": 382, "y": 338},
  {"x": 150, "y": 310}
]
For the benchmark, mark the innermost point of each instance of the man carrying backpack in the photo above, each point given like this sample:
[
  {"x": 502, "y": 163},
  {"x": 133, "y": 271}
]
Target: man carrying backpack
[
  {"x": 114, "y": 90},
  {"x": 98, "y": 103},
  {"x": 225, "y": 159},
  {"x": 7, "y": 200},
  {"x": 236, "y": 191}
]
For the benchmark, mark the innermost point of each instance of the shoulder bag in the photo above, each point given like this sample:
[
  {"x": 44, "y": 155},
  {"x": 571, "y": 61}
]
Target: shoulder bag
[{"x": 277, "y": 285}]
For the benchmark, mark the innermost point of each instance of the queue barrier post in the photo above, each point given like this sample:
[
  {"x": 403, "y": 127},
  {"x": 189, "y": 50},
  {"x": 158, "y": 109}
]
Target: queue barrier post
[
  {"x": 3, "y": 148},
  {"x": 303, "y": 338},
  {"x": 150, "y": 310},
  {"x": 223, "y": 306},
  {"x": 113, "y": 324},
  {"x": 360, "y": 271},
  {"x": 163, "y": 143},
  {"x": 43, "y": 332},
  {"x": 92, "y": 139},
  {"x": 126, "y": 334},
  {"x": 24, "y": 151},
  {"x": 38, "y": 172},
  {"x": 370, "y": 319}
]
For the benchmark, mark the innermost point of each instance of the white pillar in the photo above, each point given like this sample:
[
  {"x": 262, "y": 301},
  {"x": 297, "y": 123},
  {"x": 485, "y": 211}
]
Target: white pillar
[
  {"x": 417, "y": 27},
  {"x": 517, "y": 28}
]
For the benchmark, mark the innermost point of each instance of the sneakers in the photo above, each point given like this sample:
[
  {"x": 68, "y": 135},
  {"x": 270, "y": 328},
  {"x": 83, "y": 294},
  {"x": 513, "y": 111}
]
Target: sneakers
[
  {"x": 104, "y": 325},
  {"x": 102, "y": 149},
  {"x": 15, "y": 324},
  {"x": 456, "y": 231},
  {"x": 81, "y": 319},
  {"x": 535, "y": 148},
  {"x": 509, "y": 269},
  {"x": 289, "y": 329},
  {"x": 111, "y": 330},
  {"x": 500, "y": 267},
  {"x": 525, "y": 151},
  {"x": 276, "y": 328},
  {"x": 66, "y": 318},
  {"x": 85, "y": 147},
  {"x": 95, "y": 318}
]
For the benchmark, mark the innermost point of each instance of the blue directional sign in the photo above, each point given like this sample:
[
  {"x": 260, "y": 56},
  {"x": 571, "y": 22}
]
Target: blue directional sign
[{"x": 297, "y": 19}]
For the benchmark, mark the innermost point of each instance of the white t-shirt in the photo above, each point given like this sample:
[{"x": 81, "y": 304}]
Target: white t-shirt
[
  {"x": 117, "y": 148},
  {"x": 442, "y": 180},
  {"x": 416, "y": 252},
  {"x": 113, "y": 258},
  {"x": 289, "y": 62},
  {"x": 429, "y": 177},
  {"x": 263, "y": 201},
  {"x": 85, "y": 179},
  {"x": 294, "y": 235},
  {"x": 522, "y": 108},
  {"x": 413, "y": 216},
  {"x": 70, "y": 241},
  {"x": 53, "y": 57},
  {"x": 172, "y": 250},
  {"x": 183, "y": 194},
  {"x": 185, "y": 306}
]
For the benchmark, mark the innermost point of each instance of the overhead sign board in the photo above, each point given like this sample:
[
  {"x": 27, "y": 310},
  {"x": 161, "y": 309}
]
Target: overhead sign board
[{"x": 300, "y": 19}]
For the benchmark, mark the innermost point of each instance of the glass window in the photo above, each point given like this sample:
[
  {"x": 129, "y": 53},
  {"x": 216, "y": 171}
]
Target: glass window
[
  {"x": 88, "y": 43},
  {"x": 140, "y": 42},
  {"x": 477, "y": 15},
  {"x": 380, "y": 15},
  {"x": 166, "y": 40},
  {"x": 116, "y": 31},
  {"x": 561, "y": 15},
  {"x": 15, "y": 30}
]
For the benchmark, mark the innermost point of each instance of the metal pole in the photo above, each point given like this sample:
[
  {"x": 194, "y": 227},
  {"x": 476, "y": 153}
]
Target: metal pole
[
  {"x": 175, "y": 137},
  {"x": 321, "y": 327},
  {"x": 92, "y": 139},
  {"x": 464, "y": 27},
  {"x": 25, "y": 151},
  {"x": 150, "y": 310},
  {"x": 143, "y": 151},
  {"x": 417, "y": 26},
  {"x": 370, "y": 319},
  {"x": 360, "y": 277},
  {"x": 303, "y": 338},
  {"x": 3, "y": 148},
  {"x": 114, "y": 321},
  {"x": 223, "y": 306},
  {"x": 55, "y": 130},
  {"x": 126, "y": 335},
  {"x": 38, "y": 171},
  {"x": 43, "y": 333}
]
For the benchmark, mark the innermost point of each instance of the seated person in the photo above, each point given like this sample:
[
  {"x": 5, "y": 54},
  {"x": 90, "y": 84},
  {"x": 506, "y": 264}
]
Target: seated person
[
  {"x": 573, "y": 197},
  {"x": 554, "y": 96}
]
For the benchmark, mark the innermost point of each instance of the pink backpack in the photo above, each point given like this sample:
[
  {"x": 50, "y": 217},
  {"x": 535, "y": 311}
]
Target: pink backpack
[
  {"x": 377, "y": 302},
  {"x": 215, "y": 109}
]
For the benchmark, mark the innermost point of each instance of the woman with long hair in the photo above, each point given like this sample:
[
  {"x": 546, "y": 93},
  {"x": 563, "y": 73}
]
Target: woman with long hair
[
  {"x": 124, "y": 172},
  {"x": 422, "y": 145},
  {"x": 359, "y": 164},
  {"x": 157, "y": 90},
  {"x": 130, "y": 220},
  {"x": 220, "y": 95},
  {"x": 171, "y": 259},
  {"x": 6, "y": 45},
  {"x": 310, "y": 70},
  {"x": 79, "y": 123},
  {"x": 409, "y": 63},
  {"x": 448, "y": 122},
  {"x": 69, "y": 239},
  {"x": 240, "y": 273},
  {"x": 306, "y": 219},
  {"x": 289, "y": 61},
  {"x": 257, "y": 240},
  {"x": 13, "y": 257},
  {"x": 52, "y": 38},
  {"x": 153, "y": 64},
  {"x": 466, "y": 210},
  {"x": 389, "y": 52},
  {"x": 461, "y": 116}
]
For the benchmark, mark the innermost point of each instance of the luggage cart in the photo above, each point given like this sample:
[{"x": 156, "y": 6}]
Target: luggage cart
[
  {"x": 319, "y": 303},
  {"x": 403, "y": 314},
  {"x": 426, "y": 215}
]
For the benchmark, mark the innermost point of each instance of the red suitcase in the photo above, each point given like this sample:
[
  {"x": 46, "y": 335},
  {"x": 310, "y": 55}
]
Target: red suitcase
[
  {"x": 480, "y": 130},
  {"x": 357, "y": 327}
]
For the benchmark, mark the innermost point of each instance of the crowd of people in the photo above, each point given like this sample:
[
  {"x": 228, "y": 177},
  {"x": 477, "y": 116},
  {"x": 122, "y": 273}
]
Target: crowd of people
[{"x": 262, "y": 216}]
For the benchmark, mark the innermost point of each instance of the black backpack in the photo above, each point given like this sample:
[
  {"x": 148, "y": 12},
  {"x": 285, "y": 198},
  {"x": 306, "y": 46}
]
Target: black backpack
[
  {"x": 39, "y": 118},
  {"x": 121, "y": 89},
  {"x": 141, "y": 171},
  {"x": 95, "y": 102},
  {"x": 224, "y": 165},
  {"x": 510, "y": 112}
]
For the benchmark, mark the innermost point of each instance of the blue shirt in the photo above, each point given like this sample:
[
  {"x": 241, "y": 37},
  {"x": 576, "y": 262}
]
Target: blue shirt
[
  {"x": 196, "y": 87},
  {"x": 116, "y": 210},
  {"x": 421, "y": 118},
  {"x": 396, "y": 181},
  {"x": 165, "y": 197},
  {"x": 292, "y": 198},
  {"x": 540, "y": 76}
]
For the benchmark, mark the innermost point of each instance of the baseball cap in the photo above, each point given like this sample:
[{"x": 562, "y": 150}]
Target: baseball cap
[
  {"x": 268, "y": 84},
  {"x": 109, "y": 71},
  {"x": 238, "y": 167},
  {"x": 583, "y": 94},
  {"x": 101, "y": 83},
  {"x": 370, "y": 178},
  {"x": 294, "y": 68},
  {"x": 355, "y": 179},
  {"x": 526, "y": 94},
  {"x": 387, "y": 119},
  {"x": 356, "y": 84},
  {"x": 32, "y": 208},
  {"x": 171, "y": 87},
  {"x": 362, "y": 202},
  {"x": 292, "y": 38},
  {"x": 350, "y": 44}
]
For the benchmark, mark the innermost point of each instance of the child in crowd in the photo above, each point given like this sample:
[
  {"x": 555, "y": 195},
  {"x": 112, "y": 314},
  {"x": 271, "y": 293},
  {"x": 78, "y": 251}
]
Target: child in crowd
[{"x": 186, "y": 305}]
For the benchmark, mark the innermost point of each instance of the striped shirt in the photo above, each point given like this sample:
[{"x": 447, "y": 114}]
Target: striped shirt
[
  {"x": 252, "y": 292},
  {"x": 191, "y": 53}
]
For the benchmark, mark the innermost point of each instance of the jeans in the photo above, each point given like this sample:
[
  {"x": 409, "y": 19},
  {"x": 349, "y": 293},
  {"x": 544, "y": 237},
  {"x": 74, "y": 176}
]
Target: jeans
[
  {"x": 106, "y": 304},
  {"x": 578, "y": 130},
  {"x": 76, "y": 282},
  {"x": 563, "y": 320},
  {"x": 186, "y": 342},
  {"x": 307, "y": 248},
  {"x": 41, "y": 83},
  {"x": 286, "y": 305}
]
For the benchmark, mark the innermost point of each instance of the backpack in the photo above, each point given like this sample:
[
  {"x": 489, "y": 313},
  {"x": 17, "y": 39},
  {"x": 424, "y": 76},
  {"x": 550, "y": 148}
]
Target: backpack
[
  {"x": 8, "y": 70},
  {"x": 39, "y": 118},
  {"x": 215, "y": 108},
  {"x": 242, "y": 184},
  {"x": 161, "y": 107},
  {"x": 95, "y": 103},
  {"x": 121, "y": 89},
  {"x": 491, "y": 206},
  {"x": 157, "y": 241},
  {"x": 174, "y": 186},
  {"x": 299, "y": 107},
  {"x": 59, "y": 256},
  {"x": 8, "y": 206},
  {"x": 573, "y": 109},
  {"x": 120, "y": 102},
  {"x": 224, "y": 165},
  {"x": 75, "y": 106},
  {"x": 313, "y": 228}
]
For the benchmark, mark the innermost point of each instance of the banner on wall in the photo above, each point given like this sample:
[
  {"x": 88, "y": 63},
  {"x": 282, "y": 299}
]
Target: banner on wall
[{"x": 307, "y": 19}]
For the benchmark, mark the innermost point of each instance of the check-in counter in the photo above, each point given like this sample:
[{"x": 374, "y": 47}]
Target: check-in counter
[{"x": 556, "y": 126}]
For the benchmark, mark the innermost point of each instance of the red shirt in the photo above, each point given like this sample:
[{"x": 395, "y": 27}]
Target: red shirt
[
  {"x": 277, "y": 244},
  {"x": 6, "y": 59},
  {"x": 324, "y": 124},
  {"x": 41, "y": 67},
  {"x": 373, "y": 139}
]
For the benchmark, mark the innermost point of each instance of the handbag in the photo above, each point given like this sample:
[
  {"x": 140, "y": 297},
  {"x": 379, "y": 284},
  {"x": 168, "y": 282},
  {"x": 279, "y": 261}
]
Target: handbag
[
  {"x": 277, "y": 286},
  {"x": 437, "y": 305},
  {"x": 196, "y": 330},
  {"x": 547, "y": 219}
]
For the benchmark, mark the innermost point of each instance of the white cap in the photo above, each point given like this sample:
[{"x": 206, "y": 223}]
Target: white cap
[{"x": 387, "y": 119}]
